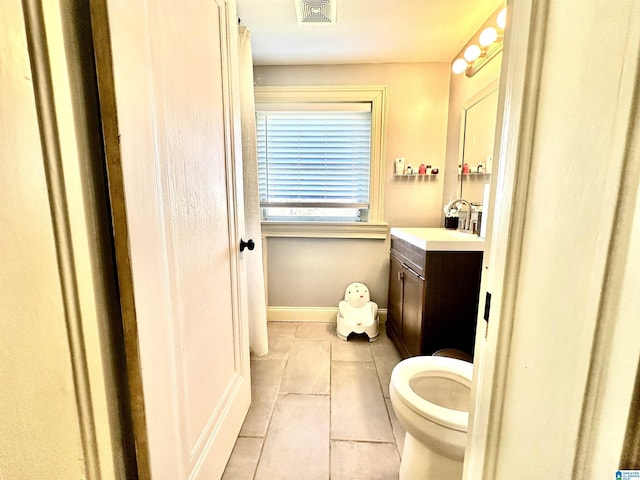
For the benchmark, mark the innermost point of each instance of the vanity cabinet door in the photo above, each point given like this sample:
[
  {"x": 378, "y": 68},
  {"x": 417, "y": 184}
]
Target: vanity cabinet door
[
  {"x": 394, "y": 303},
  {"x": 451, "y": 304},
  {"x": 412, "y": 314},
  {"x": 405, "y": 308}
]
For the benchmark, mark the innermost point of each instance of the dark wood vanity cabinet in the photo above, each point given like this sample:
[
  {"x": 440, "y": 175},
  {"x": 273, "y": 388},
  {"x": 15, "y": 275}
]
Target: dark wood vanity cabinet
[{"x": 433, "y": 299}]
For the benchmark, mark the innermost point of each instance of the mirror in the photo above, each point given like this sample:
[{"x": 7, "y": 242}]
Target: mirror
[{"x": 476, "y": 142}]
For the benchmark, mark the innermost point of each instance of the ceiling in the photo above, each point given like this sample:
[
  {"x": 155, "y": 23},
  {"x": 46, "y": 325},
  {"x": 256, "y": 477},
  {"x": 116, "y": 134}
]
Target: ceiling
[{"x": 366, "y": 31}]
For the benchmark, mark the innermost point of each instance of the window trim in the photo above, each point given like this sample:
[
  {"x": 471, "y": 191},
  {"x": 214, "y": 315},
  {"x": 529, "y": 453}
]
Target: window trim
[{"x": 375, "y": 227}]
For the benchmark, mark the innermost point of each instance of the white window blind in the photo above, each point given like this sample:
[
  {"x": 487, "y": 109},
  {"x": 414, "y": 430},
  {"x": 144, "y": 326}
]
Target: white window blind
[{"x": 317, "y": 159}]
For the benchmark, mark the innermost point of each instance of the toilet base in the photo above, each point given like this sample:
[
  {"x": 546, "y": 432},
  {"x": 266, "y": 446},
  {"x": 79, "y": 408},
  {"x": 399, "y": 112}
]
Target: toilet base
[{"x": 418, "y": 461}]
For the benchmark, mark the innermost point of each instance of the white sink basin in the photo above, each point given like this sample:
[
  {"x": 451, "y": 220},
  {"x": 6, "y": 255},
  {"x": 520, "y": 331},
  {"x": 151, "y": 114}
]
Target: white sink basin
[{"x": 439, "y": 239}]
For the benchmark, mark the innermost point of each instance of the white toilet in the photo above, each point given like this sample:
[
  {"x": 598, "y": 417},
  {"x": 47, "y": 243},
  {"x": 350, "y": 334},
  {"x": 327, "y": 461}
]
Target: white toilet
[{"x": 430, "y": 396}]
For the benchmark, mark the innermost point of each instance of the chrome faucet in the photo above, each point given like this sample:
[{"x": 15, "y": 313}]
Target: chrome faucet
[{"x": 452, "y": 208}]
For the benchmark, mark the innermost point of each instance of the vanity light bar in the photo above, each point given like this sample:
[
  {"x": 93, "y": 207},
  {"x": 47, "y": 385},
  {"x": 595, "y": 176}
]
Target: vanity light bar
[{"x": 490, "y": 44}]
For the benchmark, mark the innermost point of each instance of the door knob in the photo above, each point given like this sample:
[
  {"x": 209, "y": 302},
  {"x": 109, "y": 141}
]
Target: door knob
[{"x": 250, "y": 244}]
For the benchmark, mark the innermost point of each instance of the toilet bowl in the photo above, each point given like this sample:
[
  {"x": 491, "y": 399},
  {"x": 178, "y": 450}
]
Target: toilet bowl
[{"x": 430, "y": 396}]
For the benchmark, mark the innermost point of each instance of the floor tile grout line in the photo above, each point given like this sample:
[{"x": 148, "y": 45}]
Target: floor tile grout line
[
  {"x": 330, "y": 400},
  {"x": 384, "y": 399},
  {"x": 255, "y": 470},
  {"x": 387, "y": 406},
  {"x": 289, "y": 394},
  {"x": 373, "y": 442},
  {"x": 273, "y": 410}
]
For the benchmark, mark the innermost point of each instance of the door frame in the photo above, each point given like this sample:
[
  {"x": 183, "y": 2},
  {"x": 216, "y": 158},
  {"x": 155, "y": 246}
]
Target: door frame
[
  {"x": 607, "y": 347},
  {"x": 517, "y": 102}
]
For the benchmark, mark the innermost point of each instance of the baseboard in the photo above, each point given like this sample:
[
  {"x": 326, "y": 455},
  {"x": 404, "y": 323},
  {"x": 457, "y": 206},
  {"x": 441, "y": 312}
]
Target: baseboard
[{"x": 310, "y": 314}]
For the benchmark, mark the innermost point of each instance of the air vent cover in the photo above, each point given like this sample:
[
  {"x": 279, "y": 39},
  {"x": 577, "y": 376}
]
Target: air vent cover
[{"x": 316, "y": 11}]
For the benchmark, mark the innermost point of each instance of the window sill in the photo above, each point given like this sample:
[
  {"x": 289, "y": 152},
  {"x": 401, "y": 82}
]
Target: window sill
[{"x": 325, "y": 230}]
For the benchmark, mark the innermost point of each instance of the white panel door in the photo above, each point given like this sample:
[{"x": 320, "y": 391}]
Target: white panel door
[{"x": 169, "y": 105}]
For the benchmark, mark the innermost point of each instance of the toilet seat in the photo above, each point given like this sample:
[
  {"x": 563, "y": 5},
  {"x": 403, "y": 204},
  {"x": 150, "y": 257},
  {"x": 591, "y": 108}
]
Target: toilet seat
[{"x": 443, "y": 367}]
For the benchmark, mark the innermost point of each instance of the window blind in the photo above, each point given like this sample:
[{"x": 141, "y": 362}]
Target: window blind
[{"x": 314, "y": 158}]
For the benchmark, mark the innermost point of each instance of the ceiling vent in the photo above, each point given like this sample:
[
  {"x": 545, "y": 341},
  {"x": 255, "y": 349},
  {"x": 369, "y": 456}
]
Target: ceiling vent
[{"x": 316, "y": 11}]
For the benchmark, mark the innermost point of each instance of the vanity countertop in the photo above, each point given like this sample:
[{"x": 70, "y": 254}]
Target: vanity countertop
[{"x": 439, "y": 239}]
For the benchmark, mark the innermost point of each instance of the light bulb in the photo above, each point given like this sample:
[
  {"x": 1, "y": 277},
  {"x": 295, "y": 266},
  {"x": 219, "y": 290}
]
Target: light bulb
[
  {"x": 502, "y": 18},
  {"x": 488, "y": 36},
  {"x": 459, "y": 66},
  {"x": 472, "y": 52}
]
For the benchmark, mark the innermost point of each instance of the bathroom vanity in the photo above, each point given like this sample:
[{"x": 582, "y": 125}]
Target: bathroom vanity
[{"x": 434, "y": 283}]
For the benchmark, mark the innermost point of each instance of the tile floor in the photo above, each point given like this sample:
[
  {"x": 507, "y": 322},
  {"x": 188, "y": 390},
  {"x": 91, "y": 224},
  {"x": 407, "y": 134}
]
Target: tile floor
[{"x": 320, "y": 409}]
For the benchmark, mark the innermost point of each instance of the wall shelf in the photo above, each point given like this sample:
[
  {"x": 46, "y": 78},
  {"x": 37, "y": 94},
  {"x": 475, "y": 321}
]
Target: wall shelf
[{"x": 409, "y": 175}]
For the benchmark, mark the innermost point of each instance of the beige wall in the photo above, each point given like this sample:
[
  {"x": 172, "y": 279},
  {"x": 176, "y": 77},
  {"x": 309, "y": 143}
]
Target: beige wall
[
  {"x": 39, "y": 368},
  {"x": 40, "y": 434},
  {"x": 319, "y": 269},
  {"x": 314, "y": 272},
  {"x": 425, "y": 103}
]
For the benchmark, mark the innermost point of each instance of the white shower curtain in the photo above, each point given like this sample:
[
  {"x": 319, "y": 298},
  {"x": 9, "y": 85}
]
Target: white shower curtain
[{"x": 255, "y": 273}]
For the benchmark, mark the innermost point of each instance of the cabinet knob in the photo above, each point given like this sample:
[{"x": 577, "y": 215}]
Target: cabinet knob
[{"x": 400, "y": 276}]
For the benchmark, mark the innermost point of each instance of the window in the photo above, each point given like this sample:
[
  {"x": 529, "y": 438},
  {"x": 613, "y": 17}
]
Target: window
[
  {"x": 320, "y": 160},
  {"x": 314, "y": 165}
]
